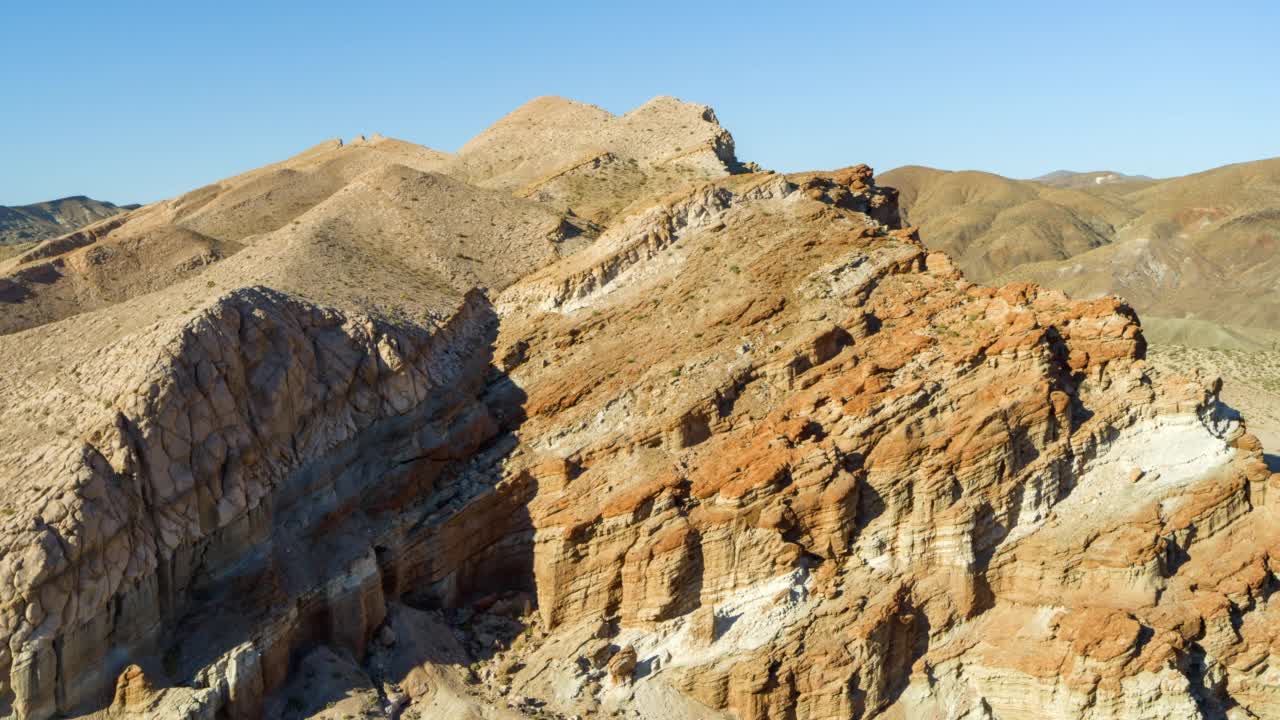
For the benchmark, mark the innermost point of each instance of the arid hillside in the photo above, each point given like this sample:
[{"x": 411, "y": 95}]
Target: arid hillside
[
  {"x": 575, "y": 155},
  {"x": 992, "y": 224},
  {"x": 24, "y": 225},
  {"x": 1195, "y": 254},
  {"x": 590, "y": 419}
]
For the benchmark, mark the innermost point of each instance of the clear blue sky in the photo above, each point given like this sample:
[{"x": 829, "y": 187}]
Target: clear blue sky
[{"x": 131, "y": 101}]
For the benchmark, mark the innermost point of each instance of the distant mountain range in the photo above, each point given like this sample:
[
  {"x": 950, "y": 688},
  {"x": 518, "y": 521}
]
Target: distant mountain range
[
  {"x": 24, "y": 224},
  {"x": 1196, "y": 255},
  {"x": 1071, "y": 178}
]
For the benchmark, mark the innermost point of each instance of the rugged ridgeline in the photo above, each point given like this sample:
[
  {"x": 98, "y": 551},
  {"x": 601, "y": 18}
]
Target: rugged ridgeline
[{"x": 385, "y": 432}]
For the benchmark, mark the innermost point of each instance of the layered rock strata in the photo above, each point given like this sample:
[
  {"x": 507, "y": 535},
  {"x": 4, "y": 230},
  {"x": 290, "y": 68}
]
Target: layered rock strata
[
  {"x": 752, "y": 452},
  {"x": 813, "y": 472}
]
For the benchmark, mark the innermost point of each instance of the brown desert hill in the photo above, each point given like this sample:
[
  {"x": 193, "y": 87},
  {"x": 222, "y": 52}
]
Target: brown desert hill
[
  {"x": 35, "y": 222},
  {"x": 265, "y": 199},
  {"x": 596, "y": 163},
  {"x": 662, "y": 145},
  {"x": 22, "y": 226},
  {"x": 422, "y": 448},
  {"x": 992, "y": 224},
  {"x": 1073, "y": 179},
  {"x": 325, "y": 197},
  {"x": 392, "y": 224},
  {"x": 1203, "y": 248},
  {"x": 1194, "y": 252}
]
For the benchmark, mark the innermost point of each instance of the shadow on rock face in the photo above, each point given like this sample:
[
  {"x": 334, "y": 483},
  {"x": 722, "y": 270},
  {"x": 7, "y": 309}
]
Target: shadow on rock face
[
  {"x": 1273, "y": 461},
  {"x": 454, "y": 573},
  {"x": 383, "y": 564}
]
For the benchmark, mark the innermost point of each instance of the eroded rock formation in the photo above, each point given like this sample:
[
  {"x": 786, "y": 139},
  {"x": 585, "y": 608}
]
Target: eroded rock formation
[{"x": 746, "y": 450}]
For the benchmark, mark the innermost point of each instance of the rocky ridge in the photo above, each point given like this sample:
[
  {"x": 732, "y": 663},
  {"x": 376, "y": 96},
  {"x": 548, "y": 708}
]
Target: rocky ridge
[{"x": 747, "y": 449}]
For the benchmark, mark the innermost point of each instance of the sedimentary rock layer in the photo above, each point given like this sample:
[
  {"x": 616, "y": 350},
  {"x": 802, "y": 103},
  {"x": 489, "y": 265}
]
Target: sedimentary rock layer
[{"x": 740, "y": 448}]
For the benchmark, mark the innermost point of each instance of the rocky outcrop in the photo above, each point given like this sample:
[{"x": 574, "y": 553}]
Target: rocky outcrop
[
  {"x": 262, "y": 448},
  {"x": 847, "y": 482},
  {"x": 753, "y": 452}
]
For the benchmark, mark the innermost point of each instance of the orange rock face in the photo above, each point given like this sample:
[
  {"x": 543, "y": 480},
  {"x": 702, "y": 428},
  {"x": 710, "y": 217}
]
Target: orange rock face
[{"x": 885, "y": 490}]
